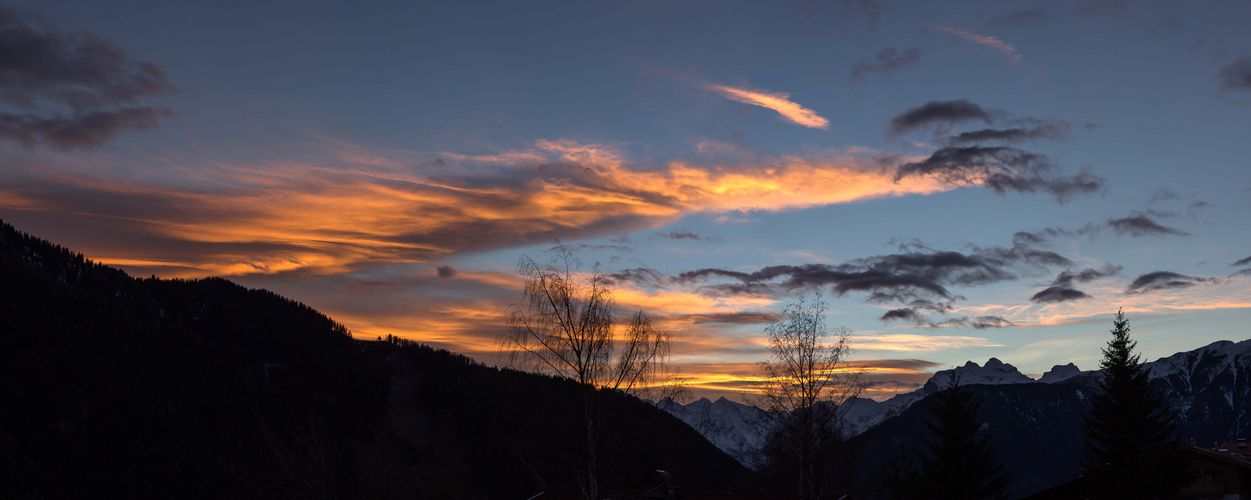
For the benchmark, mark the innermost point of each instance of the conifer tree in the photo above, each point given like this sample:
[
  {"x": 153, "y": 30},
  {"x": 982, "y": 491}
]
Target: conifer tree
[
  {"x": 1130, "y": 439},
  {"x": 960, "y": 465},
  {"x": 899, "y": 478}
]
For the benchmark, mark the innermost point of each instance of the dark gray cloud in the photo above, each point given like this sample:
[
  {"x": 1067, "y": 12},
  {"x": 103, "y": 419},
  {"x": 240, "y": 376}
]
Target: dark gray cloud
[
  {"x": 887, "y": 61},
  {"x": 1019, "y": 18},
  {"x": 1029, "y": 238},
  {"x": 1241, "y": 272},
  {"x": 901, "y": 277},
  {"x": 1242, "y": 262},
  {"x": 1067, "y": 277},
  {"x": 80, "y": 131},
  {"x": 1141, "y": 225},
  {"x": 1166, "y": 280},
  {"x": 446, "y": 272},
  {"x": 1163, "y": 194},
  {"x": 1237, "y": 75},
  {"x": 577, "y": 247},
  {"x": 916, "y": 317},
  {"x": 735, "y": 318},
  {"x": 1044, "y": 236},
  {"x": 1056, "y": 130},
  {"x": 1136, "y": 224},
  {"x": 940, "y": 115},
  {"x": 1056, "y": 294},
  {"x": 679, "y": 234},
  {"x": 977, "y": 322},
  {"x": 639, "y": 276},
  {"x": 1062, "y": 289},
  {"x": 907, "y": 314},
  {"x": 1163, "y": 214},
  {"x": 916, "y": 311},
  {"x": 683, "y": 234},
  {"x": 41, "y": 65},
  {"x": 965, "y": 163},
  {"x": 79, "y": 69},
  {"x": 981, "y": 322},
  {"x": 917, "y": 281},
  {"x": 1002, "y": 169},
  {"x": 436, "y": 163}
]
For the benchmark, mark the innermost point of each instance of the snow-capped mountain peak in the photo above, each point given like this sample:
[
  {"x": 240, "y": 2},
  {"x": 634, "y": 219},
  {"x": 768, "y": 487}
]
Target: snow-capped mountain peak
[
  {"x": 1059, "y": 373},
  {"x": 729, "y": 425},
  {"x": 994, "y": 373},
  {"x": 1221, "y": 352},
  {"x": 1208, "y": 387}
]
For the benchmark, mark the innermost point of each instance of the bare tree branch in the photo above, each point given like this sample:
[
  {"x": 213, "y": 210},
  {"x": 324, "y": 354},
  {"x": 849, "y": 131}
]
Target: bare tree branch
[
  {"x": 805, "y": 385},
  {"x": 567, "y": 328}
]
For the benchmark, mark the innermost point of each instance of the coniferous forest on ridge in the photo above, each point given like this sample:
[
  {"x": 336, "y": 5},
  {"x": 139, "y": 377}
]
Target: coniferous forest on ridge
[{"x": 205, "y": 389}]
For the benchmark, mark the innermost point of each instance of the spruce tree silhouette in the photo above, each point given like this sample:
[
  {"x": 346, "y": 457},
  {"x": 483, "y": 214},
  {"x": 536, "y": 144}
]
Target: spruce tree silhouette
[
  {"x": 960, "y": 465},
  {"x": 899, "y": 478},
  {"x": 1130, "y": 438}
]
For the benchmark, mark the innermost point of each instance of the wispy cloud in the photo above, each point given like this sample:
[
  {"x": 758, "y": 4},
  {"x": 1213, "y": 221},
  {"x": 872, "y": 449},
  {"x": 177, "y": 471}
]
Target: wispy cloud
[
  {"x": 941, "y": 116},
  {"x": 777, "y": 101},
  {"x": 344, "y": 206},
  {"x": 1141, "y": 225},
  {"x": 903, "y": 342},
  {"x": 1001, "y": 46},
  {"x": 1167, "y": 280},
  {"x": 886, "y": 62},
  {"x": 88, "y": 74},
  {"x": 1236, "y": 75}
]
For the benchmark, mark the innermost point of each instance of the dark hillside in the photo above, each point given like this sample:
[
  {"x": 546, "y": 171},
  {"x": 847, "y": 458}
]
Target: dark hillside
[
  {"x": 1034, "y": 428},
  {"x": 167, "y": 388},
  {"x": 117, "y": 386},
  {"x": 522, "y": 426}
]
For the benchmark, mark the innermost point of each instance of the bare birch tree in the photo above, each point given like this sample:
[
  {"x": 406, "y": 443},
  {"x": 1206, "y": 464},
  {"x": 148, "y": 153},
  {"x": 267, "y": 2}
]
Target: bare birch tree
[
  {"x": 566, "y": 326},
  {"x": 803, "y": 389}
]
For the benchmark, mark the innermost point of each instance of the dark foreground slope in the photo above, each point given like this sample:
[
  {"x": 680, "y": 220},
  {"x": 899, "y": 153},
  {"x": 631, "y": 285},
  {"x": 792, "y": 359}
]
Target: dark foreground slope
[
  {"x": 523, "y": 427},
  {"x": 115, "y": 386},
  {"x": 1036, "y": 428},
  {"x": 173, "y": 388}
]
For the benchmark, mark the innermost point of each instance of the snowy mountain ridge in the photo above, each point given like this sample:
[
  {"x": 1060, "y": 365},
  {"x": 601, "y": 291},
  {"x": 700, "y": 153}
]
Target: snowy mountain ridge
[
  {"x": 732, "y": 427},
  {"x": 1207, "y": 386}
]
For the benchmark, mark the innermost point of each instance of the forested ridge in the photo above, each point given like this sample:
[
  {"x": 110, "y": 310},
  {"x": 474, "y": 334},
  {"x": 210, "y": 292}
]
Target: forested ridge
[{"x": 203, "y": 389}]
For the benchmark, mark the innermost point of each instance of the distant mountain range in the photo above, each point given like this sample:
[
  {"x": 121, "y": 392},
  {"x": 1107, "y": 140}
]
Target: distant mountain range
[{"x": 1034, "y": 424}]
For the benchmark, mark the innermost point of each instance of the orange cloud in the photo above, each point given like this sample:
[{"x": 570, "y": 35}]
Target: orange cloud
[
  {"x": 903, "y": 342},
  {"x": 886, "y": 377},
  {"x": 345, "y": 206},
  {"x": 1002, "y": 47},
  {"x": 777, "y": 101}
]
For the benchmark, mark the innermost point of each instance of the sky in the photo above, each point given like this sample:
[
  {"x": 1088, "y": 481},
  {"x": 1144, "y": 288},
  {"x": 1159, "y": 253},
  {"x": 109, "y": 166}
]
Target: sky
[{"x": 957, "y": 180}]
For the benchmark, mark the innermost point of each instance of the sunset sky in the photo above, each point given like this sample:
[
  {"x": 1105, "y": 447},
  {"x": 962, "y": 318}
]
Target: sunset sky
[{"x": 960, "y": 180}]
